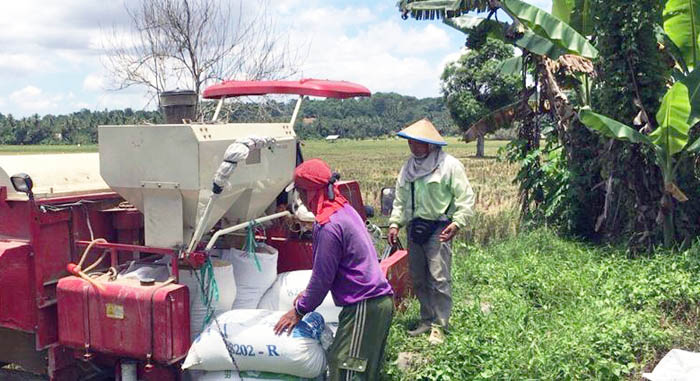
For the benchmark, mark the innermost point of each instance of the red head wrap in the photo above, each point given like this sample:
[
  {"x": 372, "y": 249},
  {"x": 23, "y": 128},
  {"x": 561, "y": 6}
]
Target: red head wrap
[{"x": 315, "y": 177}]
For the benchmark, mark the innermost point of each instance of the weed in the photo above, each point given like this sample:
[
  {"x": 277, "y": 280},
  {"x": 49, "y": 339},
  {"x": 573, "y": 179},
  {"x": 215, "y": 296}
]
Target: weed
[{"x": 556, "y": 310}]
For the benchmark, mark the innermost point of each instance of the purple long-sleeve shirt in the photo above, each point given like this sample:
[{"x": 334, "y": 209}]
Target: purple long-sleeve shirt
[{"x": 344, "y": 263}]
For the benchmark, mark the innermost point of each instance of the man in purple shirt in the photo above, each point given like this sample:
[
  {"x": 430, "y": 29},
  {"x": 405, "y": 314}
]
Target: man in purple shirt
[{"x": 344, "y": 263}]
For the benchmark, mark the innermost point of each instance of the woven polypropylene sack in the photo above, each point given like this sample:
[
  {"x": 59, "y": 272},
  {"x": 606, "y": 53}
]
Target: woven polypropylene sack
[
  {"x": 255, "y": 346},
  {"x": 232, "y": 375},
  {"x": 280, "y": 296},
  {"x": 251, "y": 281},
  {"x": 226, "y": 285}
]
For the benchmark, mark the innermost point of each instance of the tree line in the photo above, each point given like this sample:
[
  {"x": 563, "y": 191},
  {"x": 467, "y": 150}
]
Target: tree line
[{"x": 379, "y": 115}]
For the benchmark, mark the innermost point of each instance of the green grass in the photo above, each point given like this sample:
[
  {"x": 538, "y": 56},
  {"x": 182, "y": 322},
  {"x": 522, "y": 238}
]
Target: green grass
[
  {"x": 39, "y": 149},
  {"x": 536, "y": 307}
]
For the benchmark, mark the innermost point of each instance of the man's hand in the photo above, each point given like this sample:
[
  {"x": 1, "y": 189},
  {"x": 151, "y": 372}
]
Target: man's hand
[
  {"x": 449, "y": 232},
  {"x": 287, "y": 322},
  {"x": 392, "y": 235}
]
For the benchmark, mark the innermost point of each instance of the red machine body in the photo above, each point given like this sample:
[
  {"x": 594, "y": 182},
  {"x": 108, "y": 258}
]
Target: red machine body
[
  {"x": 51, "y": 320},
  {"x": 126, "y": 319}
]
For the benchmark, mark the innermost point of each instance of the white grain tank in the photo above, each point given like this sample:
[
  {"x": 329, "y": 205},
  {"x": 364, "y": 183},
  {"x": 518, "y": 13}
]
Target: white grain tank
[{"x": 166, "y": 171}]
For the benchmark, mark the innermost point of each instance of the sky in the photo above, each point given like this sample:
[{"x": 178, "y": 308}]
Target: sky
[{"x": 52, "y": 56}]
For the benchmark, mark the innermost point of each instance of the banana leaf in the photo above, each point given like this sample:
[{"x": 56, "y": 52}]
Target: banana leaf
[
  {"x": 692, "y": 81},
  {"x": 672, "y": 133},
  {"x": 694, "y": 147},
  {"x": 576, "y": 13},
  {"x": 467, "y": 24},
  {"x": 539, "y": 45},
  {"x": 682, "y": 24},
  {"x": 500, "y": 118},
  {"x": 431, "y": 9},
  {"x": 524, "y": 39},
  {"x": 551, "y": 27},
  {"x": 611, "y": 128},
  {"x": 511, "y": 66}
]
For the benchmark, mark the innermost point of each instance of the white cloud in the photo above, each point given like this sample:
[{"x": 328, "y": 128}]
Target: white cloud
[
  {"x": 21, "y": 64},
  {"x": 32, "y": 99},
  {"x": 382, "y": 54},
  {"x": 94, "y": 82},
  {"x": 26, "y": 93}
]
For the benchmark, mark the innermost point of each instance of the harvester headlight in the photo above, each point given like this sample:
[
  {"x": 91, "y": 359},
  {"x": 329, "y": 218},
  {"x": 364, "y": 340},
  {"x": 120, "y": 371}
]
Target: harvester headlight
[{"x": 22, "y": 183}]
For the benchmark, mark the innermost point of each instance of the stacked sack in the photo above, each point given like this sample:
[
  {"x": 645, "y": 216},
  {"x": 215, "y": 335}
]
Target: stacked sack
[
  {"x": 255, "y": 346},
  {"x": 280, "y": 296},
  {"x": 262, "y": 297},
  {"x": 232, "y": 375},
  {"x": 224, "y": 296},
  {"x": 254, "y": 273}
]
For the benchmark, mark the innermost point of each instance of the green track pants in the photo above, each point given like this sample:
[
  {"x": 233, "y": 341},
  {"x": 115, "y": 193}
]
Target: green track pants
[{"x": 357, "y": 352}]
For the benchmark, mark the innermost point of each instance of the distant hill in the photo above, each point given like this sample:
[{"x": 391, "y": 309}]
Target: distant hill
[{"x": 379, "y": 115}]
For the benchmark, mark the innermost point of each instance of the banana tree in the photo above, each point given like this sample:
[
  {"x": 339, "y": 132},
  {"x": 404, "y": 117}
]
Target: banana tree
[
  {"x": 681, "y": 22},
  {"x": 668, "y": 141}
]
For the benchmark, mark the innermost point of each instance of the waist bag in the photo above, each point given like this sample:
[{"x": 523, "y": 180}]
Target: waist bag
[{"x": 420, "y": 230}]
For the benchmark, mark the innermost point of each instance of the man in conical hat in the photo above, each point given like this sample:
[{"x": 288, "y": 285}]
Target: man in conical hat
[{"x": 434, "y": 201}]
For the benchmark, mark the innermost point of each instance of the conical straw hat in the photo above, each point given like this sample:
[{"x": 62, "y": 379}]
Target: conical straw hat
[{"x": 423, "y": 131}]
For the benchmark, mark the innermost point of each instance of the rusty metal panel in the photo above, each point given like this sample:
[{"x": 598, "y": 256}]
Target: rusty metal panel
[
  {"x": 17, "y": 307},
  {"x": 18, "y": 348}
]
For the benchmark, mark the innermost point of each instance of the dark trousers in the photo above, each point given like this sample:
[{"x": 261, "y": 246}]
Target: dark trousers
[{"x": 357, "y": 352}]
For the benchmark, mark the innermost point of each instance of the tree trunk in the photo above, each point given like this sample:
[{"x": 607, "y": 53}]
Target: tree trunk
[{"x": 480, "y": 146}]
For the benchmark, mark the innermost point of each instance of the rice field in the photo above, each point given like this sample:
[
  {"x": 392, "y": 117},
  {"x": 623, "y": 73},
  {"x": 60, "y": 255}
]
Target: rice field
[{"x": 376, "y": 163}]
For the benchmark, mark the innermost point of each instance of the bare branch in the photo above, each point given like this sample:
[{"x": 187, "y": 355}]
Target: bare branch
[{"x": 192, "y": 43}]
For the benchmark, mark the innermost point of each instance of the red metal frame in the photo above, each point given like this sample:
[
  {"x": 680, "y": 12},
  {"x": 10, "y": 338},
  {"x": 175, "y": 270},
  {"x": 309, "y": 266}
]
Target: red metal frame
[
  {"x": 312, "y": 87},
  {"x": 38, "y": 243}
]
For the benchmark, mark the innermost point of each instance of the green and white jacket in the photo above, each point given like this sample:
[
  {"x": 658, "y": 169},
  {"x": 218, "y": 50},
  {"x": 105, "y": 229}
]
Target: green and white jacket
[{"x": 443, "y": 193}]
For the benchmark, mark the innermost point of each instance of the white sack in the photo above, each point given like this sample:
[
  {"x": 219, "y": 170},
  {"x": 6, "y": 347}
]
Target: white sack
[
  {"x": 677, "y": 365},
  {"x": 287, "y": 286},
  {"x": 251, "y": 282},
  {"x": 156, "y": 271},
  {"x": 256, "y": 347},
  {"x": 223, "y": 274},
  {"x": 232, "y": 375}
]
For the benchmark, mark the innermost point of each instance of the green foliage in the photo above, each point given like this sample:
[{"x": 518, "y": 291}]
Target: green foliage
[
  {"x": 672, "y": 133},
  {"x": 692, "y": 81},
  {"x": 474, "y": 85},
  {"x": 632, "y": 77},
  {"x": 682, "y": 24},
  {"x": 511, "y": 66},
  {"x": 537, "y": 307},
  {"x": 75, "y": 128},
  {"x": 551, "y": 27},
  {"x": 611, "y": 128},
  {"x": 382, "y": 114},
  {"x": 533, "y": 42},
  {"x": 576, "y": 13},
  {"x": 543, "y": 173}
]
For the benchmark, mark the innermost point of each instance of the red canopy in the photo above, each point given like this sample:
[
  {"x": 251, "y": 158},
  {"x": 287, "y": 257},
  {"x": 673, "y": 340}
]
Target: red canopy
[{"x": 312, "y": 87}]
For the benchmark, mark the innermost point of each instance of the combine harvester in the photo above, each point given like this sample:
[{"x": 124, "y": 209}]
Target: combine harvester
[{"x": 70, "y": 223}]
